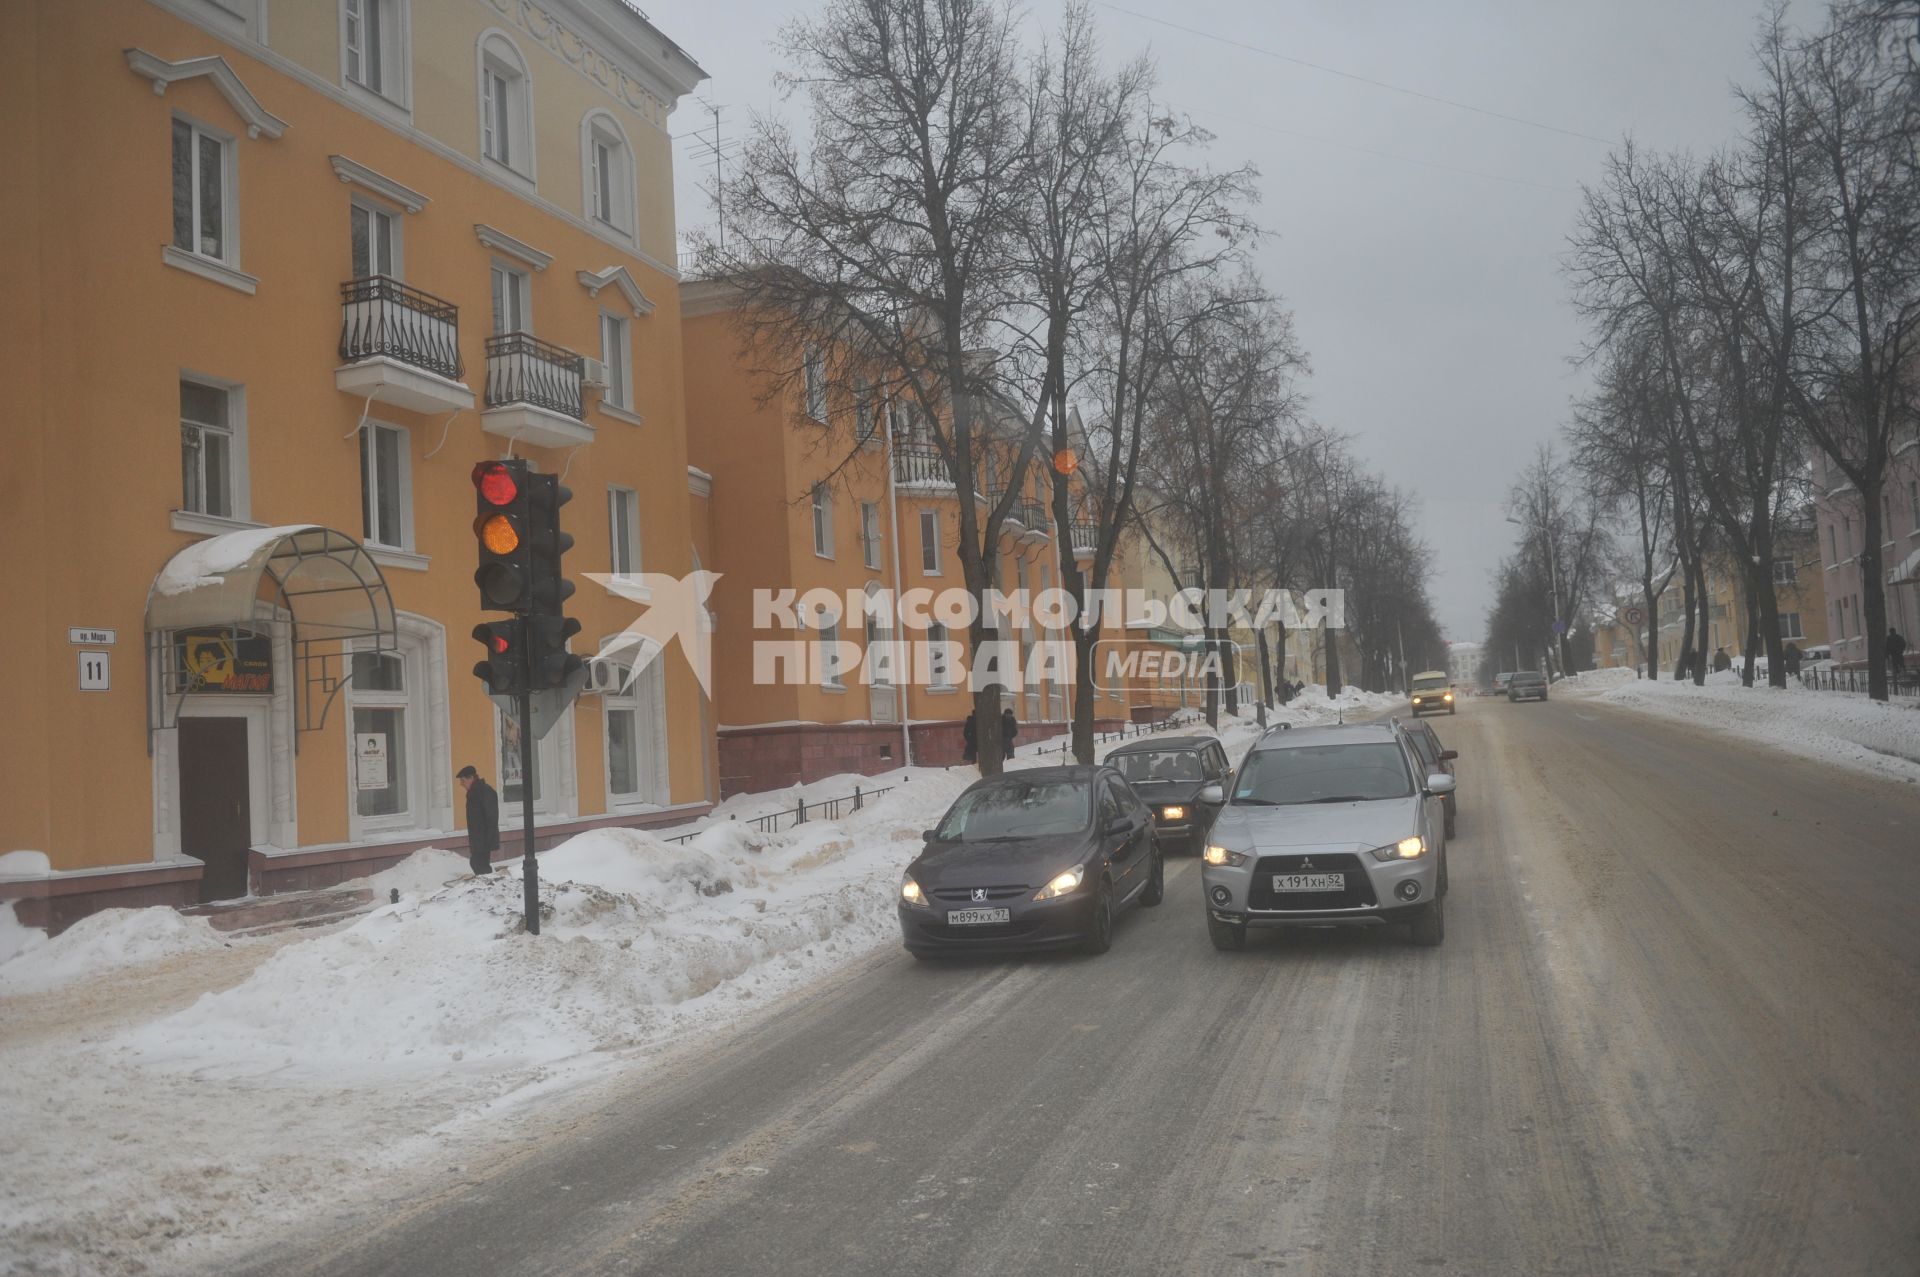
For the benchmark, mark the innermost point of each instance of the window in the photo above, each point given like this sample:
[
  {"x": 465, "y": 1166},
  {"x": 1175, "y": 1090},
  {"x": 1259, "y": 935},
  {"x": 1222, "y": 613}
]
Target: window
[
  {"x": 1886, "y": 518},
  {"x": 211, "y": 468},
  {"x": 636, "y": 738},
  {"x": 373, "y": 46},
  {"x": 203, "y": 193},
  {"x": 376, "y": 241},
  {"x": 1846, "y": 521},
  {"x": 623, "y": 530},
  {"x": 1785, "y": 572},
  {"x": 930, "y": 542},
  {"x": 866, "y": 413},
  {"x": 822, "y": 521},
  {"x": 511, "y": 305},
  {"x": 616, "y": 353},
  {"x": 607, "y": 164},
  {"x": 383, "y": 788},
  {"x": 1913, "y": 504},
  {"x": 1790, "y": 626},
  {"x": 506, "y": 133},
  {"x": 870, "y": 533},
  {"x": 387, "y": 515},
  {"x": 830, "y": 672},
  {"x": 938, "y": 675},
  {"x": 814, "y": 371}
]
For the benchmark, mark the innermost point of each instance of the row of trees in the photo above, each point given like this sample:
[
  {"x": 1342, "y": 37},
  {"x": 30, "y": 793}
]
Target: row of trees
[
  {"x": 966, "y": 223},
  {"x": 1748, "y": 312}
]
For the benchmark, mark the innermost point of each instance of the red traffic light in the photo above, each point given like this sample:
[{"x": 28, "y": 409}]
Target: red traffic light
[
  {"x": 497, "y": 642},
  {"x": 495, "y": 482}
]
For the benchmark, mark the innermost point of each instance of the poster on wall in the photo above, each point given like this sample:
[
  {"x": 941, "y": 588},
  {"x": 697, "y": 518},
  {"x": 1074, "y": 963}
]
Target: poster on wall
[
  {"x": 370, "y": 756},
  {"x": 223, "y": 661}
]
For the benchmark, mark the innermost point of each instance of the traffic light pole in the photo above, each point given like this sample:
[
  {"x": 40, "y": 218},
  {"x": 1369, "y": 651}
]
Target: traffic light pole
[{"x": 529, "y": 867}]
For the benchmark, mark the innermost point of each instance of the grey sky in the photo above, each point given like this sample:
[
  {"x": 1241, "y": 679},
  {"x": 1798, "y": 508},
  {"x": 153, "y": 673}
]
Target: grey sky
[{"x": 1429, "y": 299}]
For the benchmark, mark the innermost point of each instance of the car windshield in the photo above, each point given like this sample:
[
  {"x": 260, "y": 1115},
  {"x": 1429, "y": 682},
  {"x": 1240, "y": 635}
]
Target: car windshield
[
  {"x": 1170, "y": 764},
  {"x": 1350, "y": 772},
  {"x": 1528, "y": 677},
  {"x": 1016, "y": 808},
  {"x": 1429, "y": 684}
]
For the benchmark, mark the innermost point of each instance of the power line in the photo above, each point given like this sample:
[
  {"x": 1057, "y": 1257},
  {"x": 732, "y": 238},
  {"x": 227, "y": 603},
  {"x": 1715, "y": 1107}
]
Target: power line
[{"x": 1349, "y": 75}]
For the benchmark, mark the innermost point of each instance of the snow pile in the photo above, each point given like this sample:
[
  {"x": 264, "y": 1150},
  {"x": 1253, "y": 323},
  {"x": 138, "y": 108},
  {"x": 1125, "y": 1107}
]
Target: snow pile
[
  {"x": 1850, "y": 730},
  {"x": 103, "y": 941},
  {"x": 1591, "y": 682},
  {"x": 16, "y": 937}
]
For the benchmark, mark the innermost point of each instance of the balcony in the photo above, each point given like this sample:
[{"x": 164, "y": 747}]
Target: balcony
[
  {"x": 400, "y": 346},
  {"x": 919, "y": 465},
  {"x": 535, "y": 392},
  {"x": 1086, "y": 538}
]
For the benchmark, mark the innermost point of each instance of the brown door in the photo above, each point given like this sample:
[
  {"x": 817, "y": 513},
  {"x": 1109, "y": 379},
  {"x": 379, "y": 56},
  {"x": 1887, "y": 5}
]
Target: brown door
[{"x": 215, "y": 823}]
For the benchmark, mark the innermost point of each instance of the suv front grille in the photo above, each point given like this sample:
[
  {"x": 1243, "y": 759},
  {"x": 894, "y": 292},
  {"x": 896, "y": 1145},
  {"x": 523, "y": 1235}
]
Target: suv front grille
[{"x": 1358, "y": 894}]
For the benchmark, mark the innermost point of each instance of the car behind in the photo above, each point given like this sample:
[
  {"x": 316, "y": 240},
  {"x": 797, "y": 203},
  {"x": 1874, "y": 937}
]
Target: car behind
[{"x": 1180, "y": 779}]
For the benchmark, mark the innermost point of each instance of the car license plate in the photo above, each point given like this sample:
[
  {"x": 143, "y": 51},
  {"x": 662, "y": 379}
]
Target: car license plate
[
  {"x": 1308, "y": 882},
  {"x": 975, "y": 917}
]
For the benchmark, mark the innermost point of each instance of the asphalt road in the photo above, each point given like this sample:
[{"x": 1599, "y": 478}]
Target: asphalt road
[{"x": 1675, "y": 1028}]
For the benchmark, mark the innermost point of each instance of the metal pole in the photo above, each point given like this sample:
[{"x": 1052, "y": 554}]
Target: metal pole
[{"x": 529, "y": 868}]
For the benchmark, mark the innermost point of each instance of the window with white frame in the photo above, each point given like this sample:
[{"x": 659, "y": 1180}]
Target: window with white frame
[
  {"x": 385, "y": 779},
  {"x": 870, "y": 534},
  {"x": 376, "y": 240},
  {"x": 616, "y": 352},
  {"x": 814, "y": 369},
  {"x": 1790, "y": 626},
  {"x": 832, "y": 677},
  {"x": 203, "y": 193},
  {"x": 506, "y": 127},
  {"x": 1785, "y": 572},
  {"x": 373, "y": 47},
  {"x": 212, "y": 472},
  {"x": 608, "y": 169},
  {"x": 511, "y": 297},
  {"x": 636, "y": 726},
  {"x": 1833, "y": 544},
  {"x": 866, "y": 412},
  {"x": 1913, "y": 505},
  {"x": 822, "y": 521},
  {"x": 385, "y": 497},
  {"x": 930, "y": 542},
  {"x": 552, "y": 758},
  {"x": 938, "y": 672},
  {"x": 623, "y": 530},
  {"x": 1846, "y": 525}
]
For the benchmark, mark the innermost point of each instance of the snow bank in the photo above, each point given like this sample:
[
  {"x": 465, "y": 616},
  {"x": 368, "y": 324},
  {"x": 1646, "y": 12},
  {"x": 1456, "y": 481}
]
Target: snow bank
[
  {"x": 16, "y": 937},
  {"x": 25, "y": 864},
  {"x": 1593, "y": 681},
  {"x": 1832, "y": 726},
  {"x": 103, "y": 941}
]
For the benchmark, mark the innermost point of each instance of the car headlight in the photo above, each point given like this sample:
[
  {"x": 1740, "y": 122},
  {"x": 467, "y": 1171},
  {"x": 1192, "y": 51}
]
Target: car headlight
[
  {"x": 1174, "y": 813},
  {"x": 1217, "y": 855},
  {"x": 1406, "y": 849},
  {"x": 1447, "y": 696},
  {"x": 1416, "y": 700},
  {"x": 1062, "y": 884},
  {"x": 911, "y": 893}
]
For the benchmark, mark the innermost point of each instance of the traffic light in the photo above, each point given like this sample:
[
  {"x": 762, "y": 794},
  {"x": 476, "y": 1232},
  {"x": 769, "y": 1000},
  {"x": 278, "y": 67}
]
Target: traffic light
[
  {"x": 548, "y": 628},
  {"x": 500, "y": 525},
  {"x": 503, "y": 668}
]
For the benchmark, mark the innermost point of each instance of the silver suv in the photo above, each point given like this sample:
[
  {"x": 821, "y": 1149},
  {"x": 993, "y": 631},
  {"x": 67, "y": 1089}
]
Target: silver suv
[{"x": 1329, "y": 826}]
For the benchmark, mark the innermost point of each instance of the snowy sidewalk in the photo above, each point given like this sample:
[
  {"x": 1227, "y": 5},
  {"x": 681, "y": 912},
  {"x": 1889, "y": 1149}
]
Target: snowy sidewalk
[{"x": 171, "y": 1093}]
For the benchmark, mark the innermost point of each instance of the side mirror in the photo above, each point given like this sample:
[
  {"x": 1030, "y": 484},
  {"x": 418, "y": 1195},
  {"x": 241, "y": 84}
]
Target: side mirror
[
  {"x": 1439, "y": 783},
  {"x": 1448, "y": 755},
  {"x": 926, "y": 835},
  {"x": 1214, "y": 793},
  {"x": 1120, "y": 824}
]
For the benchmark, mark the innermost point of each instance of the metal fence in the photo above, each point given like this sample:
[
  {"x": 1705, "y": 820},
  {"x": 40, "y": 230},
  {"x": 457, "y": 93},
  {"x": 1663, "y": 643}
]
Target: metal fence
[
  {"x": 1904, "y": 684},
  {"x": 800, "y": 813}
]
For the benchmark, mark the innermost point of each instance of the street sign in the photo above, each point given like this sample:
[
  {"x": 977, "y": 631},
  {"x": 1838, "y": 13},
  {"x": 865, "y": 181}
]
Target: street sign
[
  {"x": 92, "y": 638},
  {"x": 1633, "y": 616},
  {"x": 1559, "y": 627}
]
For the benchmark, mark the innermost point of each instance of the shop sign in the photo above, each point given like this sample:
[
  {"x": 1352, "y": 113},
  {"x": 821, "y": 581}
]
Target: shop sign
[{"x": 222, "y": 661}]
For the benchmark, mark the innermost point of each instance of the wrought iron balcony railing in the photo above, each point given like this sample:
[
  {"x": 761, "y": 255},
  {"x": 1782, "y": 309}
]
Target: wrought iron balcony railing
[
  {"x": 380, "y": 316},
  {"x": 920, "y": 463},
  {"x": 1086, "y": 536},
  {"x": 522, "y": 369},
  {"x": 1034, "y": 515}
]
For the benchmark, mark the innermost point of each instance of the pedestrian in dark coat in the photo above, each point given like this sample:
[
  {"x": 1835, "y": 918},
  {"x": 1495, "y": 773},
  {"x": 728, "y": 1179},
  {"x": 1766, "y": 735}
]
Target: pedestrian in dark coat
[
  {"x": 1896, "y": 648},
  {"x": 483, "y": 820},
  {"x": 970, "y": 733},
  {"x": 1721, "y": 661},
  {"x": 1009, "y": 728},
  {"x": 1790, "y": 657}
]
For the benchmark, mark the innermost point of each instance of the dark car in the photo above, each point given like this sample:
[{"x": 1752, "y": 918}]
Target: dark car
[
  {"x": 1527, "y": 685},
  {"x": 1437, "y": 759},
  {"x": 1035, "y": 859},
  {"x": 1170, "y": 774}
]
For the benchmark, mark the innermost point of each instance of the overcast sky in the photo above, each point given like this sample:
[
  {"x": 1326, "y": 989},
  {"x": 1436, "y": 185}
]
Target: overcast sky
[{"x": 1425, "y": 281}]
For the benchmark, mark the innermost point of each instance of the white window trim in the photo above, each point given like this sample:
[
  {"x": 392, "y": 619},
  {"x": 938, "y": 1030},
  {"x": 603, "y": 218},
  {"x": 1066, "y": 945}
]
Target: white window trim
[
  {"x": 629, "y": 701},
  {"x": 398, "y": 96},
  {"x": 821, "y": 505},
  {"x": 622, "y": 186},
  {"x": 525, "y": 287},
  {"x": 405, "y": 480},
  {"x": 614, "y": 493},
  {"x": 930, "y": 518},
  {"x": 236, "y": 394},
  {"x": 813, "y": 377},
  {"x": 870, "y": 535},
  {"x": 525, "y": 168},
  {"x": 831, "y": 679},
  {"x": 939, "y": 678},
  {"x": 379, "y": 208},
  {"x": 412, "y": 675},
  {"x": 620, "y": 396},
  {"x": 553, "y": 758},
  {"x": 229, "y": 260}
]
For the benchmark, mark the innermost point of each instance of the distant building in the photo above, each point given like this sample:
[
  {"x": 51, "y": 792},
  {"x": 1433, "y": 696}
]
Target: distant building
[
  {"x": 1463, "y": 663},
  {"x": 1842, "y": 529}
]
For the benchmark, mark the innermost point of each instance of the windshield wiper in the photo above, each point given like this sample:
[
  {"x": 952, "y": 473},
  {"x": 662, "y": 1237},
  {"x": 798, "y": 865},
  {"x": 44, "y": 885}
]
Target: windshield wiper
[
  {"x": 1256, "y": 802},
  {"x": 1344, "y": 798}
]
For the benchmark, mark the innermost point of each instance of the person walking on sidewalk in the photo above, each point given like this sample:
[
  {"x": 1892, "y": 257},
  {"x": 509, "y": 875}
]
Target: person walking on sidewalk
[
  {"x": 1009, "y": 728},
  {"x": 1721, "y": 661},
  {"x": 970, "y": 739},
  {"x": 1896, "y": 649},
  {"x": 483, "y": 820}
]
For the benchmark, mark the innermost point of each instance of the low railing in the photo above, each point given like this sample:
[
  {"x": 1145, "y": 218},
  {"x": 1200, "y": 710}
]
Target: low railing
[
  {"x": 1086, "y": 536},
  {"x": 382, "y": 317},
  {"x": 522, "y": 369},
  {"x": 801, "y": 812},
  {"x": 920, "y": 463},
  {"x": 1903, "y": 684},
  {"x": 1034, "y": 515}
]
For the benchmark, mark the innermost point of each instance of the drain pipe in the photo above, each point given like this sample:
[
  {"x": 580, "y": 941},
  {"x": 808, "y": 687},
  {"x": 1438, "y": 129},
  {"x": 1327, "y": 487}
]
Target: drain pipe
[{"x": 901, "y": 702}]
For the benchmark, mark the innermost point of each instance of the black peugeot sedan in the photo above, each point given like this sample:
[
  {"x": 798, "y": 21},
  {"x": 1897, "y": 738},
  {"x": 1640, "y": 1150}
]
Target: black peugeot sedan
[
  {"x": 1034, "y": 859},
  {"x": 1172, "y": 775}
]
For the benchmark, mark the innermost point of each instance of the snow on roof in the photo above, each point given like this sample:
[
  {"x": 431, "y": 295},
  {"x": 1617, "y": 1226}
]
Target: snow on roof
[
  {"x": 207, "y": 563},
  {"x": 1908, "y": 570}
]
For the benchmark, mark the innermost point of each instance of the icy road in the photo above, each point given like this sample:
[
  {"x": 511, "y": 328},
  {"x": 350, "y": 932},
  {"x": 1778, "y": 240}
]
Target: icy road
[{"x": 1674, "y": 1028}]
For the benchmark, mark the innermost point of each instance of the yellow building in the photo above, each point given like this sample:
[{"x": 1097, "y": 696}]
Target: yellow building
[
  {"x": 282, "y": 273},
  {"x": 1800, "y": 592}
]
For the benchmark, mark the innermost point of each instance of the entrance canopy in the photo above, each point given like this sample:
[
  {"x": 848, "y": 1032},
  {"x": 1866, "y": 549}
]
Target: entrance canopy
[{"x": 316, "y": 587}]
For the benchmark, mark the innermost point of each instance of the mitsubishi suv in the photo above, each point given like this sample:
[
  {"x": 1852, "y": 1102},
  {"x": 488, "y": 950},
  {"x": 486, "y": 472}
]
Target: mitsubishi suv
[{"x": 1329, "y": 826}]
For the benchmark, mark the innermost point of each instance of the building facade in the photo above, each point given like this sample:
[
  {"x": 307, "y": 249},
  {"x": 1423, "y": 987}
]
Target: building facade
[
  {"x": 1842, "y": 534},
  {"x": 1800, "y": 591},
  {"x": 351, "y": 248}
]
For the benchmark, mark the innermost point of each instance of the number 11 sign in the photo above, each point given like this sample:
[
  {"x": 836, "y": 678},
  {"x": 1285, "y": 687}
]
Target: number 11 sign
[{"x": 95, "y": 671}]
